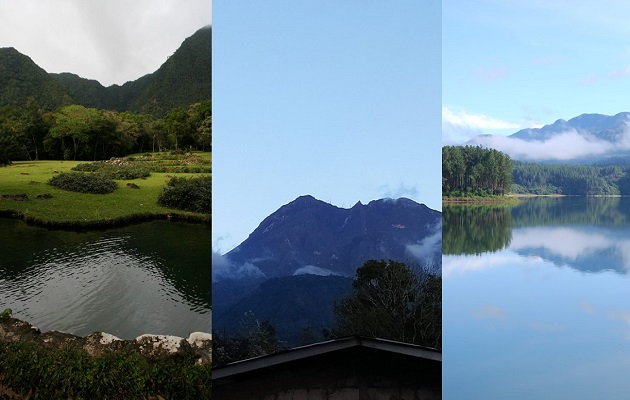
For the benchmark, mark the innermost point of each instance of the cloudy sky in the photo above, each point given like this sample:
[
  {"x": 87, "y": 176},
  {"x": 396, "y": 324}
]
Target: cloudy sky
[
  {"x": 336, "y": 99},
  {"x": 112, "y": 41},
  {"x": 511, "y": 64}
]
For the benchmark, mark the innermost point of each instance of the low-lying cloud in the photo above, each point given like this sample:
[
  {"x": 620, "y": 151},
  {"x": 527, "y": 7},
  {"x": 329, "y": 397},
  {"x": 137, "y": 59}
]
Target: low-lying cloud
[
  {"x": 564, "y": 146},
  {"x": 313, "y": 270},
  {"x": 223, "y": 268},
  {"x": 430, "y": 247}
]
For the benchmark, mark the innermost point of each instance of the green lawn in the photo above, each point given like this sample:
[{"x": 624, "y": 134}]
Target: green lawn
[{"x": 77, "y": 209}]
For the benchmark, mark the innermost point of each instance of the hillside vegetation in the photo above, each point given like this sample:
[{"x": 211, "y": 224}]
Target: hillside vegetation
[
  {"x": 475, "y": 171},
  {"x": 183, "y": 79},
  {"x": 588, "y": 180}
]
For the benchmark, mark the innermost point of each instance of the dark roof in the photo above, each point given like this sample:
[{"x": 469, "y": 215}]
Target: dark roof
[{"x": 316, "y": 349}]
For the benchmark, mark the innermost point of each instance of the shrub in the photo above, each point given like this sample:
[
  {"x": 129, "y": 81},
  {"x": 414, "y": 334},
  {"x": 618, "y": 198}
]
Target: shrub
[
  {"x": 113, "y": 171},
  {"x": 88, "y": 167},
  {"x": 84, "y": 182},
  {"x": 72, "y": 373},
  {"x": 192, "y": 194}
]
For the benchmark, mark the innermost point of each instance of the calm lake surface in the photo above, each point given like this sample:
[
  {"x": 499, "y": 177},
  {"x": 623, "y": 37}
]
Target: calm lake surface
[
  {"x": 537, "y": 300},
  {"x": 153, "y": 277}
]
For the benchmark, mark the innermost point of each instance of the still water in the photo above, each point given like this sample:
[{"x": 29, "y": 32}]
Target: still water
[
  {"x": 152, "y": 277},
  {"x": 537, "y": 300}
]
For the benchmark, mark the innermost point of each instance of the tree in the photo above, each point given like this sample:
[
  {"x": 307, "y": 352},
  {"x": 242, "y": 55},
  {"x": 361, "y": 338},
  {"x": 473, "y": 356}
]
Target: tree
[
  {"x": 256, "y": 338},
  {"x": 390, "y": 300},
  {"x": 473, "y": 170},
  {"x": 79, "y": 125},
  {"x": 177, "y": 123}
]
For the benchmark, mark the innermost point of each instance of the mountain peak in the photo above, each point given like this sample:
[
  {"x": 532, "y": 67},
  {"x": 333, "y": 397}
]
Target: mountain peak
[{"x": 310, "y": 232}]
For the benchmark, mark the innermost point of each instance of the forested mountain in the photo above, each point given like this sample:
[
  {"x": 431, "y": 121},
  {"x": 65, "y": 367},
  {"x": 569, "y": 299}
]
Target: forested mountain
[
  {"x": 21, "y": 78},
  {"x": 90, "y": 93},
  {"x": 303, "y": 257},
  {"x": 184, "y": 79}
]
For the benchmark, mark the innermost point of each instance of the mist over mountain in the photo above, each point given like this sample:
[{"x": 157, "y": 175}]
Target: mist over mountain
[
  {"x": 303, "y": 257},
  {"x": 585, "y": 139},
  {"x": 183, "y": 79}
]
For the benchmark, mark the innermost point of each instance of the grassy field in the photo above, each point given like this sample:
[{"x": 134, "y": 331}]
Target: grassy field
[{"x": 73, "y": 209}]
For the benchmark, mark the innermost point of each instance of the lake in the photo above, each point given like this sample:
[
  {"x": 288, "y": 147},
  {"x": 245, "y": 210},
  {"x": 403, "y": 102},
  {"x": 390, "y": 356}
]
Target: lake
[
  {"x": 536, "y": 300},
  {"x": 153, "y": 277}
]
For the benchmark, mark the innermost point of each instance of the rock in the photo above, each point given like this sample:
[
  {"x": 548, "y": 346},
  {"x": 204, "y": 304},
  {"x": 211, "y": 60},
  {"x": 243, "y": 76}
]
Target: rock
[
  {"x": 58, "y": 339},
  {"x": 45, "y": 196},
  {"x": 199, "y": 344},
  {"x": 159, "y": 346},
  {"x": 15, "y": 197},
  {"x": 12, "y": 329},
  {"x": 132, "y": 185}
]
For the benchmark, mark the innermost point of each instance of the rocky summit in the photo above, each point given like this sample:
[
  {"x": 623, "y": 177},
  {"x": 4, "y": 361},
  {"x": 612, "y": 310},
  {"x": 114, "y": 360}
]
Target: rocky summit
[{"x": 310, "y": 236}]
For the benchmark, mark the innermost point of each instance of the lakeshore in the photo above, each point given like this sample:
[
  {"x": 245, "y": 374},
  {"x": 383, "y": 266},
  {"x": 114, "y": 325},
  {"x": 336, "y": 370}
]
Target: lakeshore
[{"x": 499, "y": 200}]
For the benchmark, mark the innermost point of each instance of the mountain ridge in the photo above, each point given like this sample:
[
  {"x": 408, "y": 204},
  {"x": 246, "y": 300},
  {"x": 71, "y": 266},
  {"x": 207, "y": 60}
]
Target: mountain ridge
[
  {"x": 310, "y": 232},
  {"x": 302, "y": 259},
  {"x": 585, "y": 139},
  {"x": 182, "y": 80}
]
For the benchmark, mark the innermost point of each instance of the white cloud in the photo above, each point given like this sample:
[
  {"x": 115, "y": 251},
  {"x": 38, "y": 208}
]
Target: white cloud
[
  {"x": 387, "y": 191},
  {"x": 313, "y": 270},
  {"x": 223, "y": 268},
  {"x": 459, "y": 126},
  {"x": 564, "y": 146},
  {"x": 428, "y": 247},
  {"x": 474, "y": 121},
  {"x": 112, "y": 41}
]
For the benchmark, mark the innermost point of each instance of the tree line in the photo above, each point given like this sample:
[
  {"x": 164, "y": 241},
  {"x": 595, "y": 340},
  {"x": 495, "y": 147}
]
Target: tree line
[
  {"x": 571, "y": 179},
  {"x": 475, "y": 171},
  {"x": 76, "y": 132},
  {"x": 389, "y": 300}
]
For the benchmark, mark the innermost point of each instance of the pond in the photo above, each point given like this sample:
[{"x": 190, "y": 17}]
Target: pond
[
  {"x": 537, "y": 300},
  {"x": 153, "y": 277}
]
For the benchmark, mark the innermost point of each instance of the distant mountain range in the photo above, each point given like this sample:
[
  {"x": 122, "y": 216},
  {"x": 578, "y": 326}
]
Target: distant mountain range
[
  {"x": 184, "y": 79},
  {"x": 303, "y": 257},
  {"x": 585, "y": 139}
]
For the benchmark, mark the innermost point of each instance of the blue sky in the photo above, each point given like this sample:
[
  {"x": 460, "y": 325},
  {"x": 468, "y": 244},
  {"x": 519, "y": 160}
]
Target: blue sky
[
  {"x": 511, "y": 64},
  {"x": 336, "y": 99}
]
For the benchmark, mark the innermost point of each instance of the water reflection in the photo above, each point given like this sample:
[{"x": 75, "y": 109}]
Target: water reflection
[
  {"x": 147, "y": 278},
  {"x": 545, "y": 314},
  {"x": 589, "y": 234}
]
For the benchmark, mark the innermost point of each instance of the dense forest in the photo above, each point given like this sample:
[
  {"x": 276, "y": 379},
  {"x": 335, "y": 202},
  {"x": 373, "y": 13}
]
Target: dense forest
[
  {"x": 183, "y": 79},
  {"x": 475, "y": 171},
  {"x": 478, "y": 171},
  {"x": 75, "y": 132},
  {"x": 571, "y": 179}
]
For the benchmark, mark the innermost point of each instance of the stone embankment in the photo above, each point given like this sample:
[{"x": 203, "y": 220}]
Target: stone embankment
[{"x": 98, "y": 343}]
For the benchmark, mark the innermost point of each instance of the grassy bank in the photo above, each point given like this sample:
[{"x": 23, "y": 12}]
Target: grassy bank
[
  {"x": 61, "y": 208},
  {"x": 507, "y": 200},
  {"x": 31, "y": 371}
]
